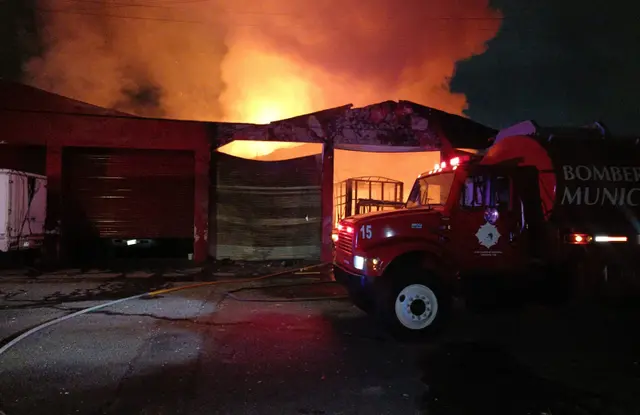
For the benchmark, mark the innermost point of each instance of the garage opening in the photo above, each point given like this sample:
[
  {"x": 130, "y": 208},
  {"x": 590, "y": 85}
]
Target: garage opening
[
  {"x": 265, "y": 211},
  {"x": 127, "y": 204},
  {"x": 358, "y": 185}
]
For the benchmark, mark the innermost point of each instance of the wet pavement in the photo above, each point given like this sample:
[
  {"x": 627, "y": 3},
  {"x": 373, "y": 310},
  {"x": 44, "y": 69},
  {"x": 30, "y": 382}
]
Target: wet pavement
[{"x": 301, "y": 349}]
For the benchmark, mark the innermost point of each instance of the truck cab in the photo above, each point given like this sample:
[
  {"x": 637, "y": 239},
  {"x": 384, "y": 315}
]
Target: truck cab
[
  {"x": 541, "y": 209},
  {"x": 460, "y": 220},
  {"x": 536, "y": 209}
]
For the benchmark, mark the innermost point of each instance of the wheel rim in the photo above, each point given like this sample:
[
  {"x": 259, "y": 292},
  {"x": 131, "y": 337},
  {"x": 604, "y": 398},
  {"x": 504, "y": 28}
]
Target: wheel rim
[{"x": 416, "y": 307}]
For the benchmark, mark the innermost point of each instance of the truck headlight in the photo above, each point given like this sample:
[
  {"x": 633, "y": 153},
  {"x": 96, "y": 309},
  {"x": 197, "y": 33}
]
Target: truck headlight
[{"x": 358, "y": 262}]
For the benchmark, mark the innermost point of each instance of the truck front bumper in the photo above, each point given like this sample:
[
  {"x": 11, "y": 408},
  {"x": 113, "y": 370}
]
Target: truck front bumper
[{"x": 355, "y": 283}]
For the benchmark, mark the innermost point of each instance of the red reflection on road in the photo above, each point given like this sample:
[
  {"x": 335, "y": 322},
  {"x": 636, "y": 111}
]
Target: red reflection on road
[{"x": 273, "y": 339}]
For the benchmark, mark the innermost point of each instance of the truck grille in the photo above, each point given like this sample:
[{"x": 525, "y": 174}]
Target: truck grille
[{"x": 345, "y": 241}]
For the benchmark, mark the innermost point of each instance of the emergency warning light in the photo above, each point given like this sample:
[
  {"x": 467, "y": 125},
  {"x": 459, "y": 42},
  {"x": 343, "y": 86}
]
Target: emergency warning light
[
  {"x": 578, "y": 239},
  {"x": 348, "y": 229},
  {"x": 584, "y": 239},
  {"x": 607, "y": 238},
  {"x": 453, "y": 163}
]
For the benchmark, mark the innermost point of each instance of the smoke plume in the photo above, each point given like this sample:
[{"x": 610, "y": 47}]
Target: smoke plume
[{"x": 257, "y": 60}]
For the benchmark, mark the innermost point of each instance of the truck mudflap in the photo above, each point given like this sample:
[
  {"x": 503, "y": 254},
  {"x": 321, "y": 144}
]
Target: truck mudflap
[{"x": 605, "y": 271}]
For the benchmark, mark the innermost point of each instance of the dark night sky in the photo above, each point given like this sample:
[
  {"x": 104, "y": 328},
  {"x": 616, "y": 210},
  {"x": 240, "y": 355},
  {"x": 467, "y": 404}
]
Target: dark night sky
[
  {"x": 558, "y": 62},
  {"x": 554, "y": 61}
]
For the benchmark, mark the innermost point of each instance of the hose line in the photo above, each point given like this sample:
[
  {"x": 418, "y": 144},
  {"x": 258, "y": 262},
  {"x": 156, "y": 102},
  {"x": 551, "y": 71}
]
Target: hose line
[{"x": 155, "y": 293}]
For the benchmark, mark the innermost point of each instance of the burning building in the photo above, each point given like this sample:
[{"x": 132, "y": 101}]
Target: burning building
[
  {"x": 224, "y": 61},
  {"x": 119, "y": 177}
]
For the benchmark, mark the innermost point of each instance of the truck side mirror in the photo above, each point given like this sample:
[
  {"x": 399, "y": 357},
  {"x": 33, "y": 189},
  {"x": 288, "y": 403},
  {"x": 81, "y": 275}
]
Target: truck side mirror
[{"x": 521, "y": 222}]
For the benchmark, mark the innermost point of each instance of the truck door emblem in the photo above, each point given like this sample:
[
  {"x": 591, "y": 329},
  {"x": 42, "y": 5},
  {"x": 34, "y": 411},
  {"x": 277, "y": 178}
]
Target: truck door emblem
[
  {"x": 488, "y": 235},
  {"x": 416, "y": 226}
]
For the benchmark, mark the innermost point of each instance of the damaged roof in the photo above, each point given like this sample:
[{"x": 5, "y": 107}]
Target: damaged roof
[{"x": 385, "y": 126}]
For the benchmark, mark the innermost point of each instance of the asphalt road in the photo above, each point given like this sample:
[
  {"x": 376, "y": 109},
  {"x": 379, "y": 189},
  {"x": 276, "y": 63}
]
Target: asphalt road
[{"x": 201, "y": 352}]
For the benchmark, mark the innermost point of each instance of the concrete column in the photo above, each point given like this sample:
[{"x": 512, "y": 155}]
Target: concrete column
[
  {"x": 201, "y": 205},
  {"x": 326, "y": 253},
  {"x": 53, "y": 169}
]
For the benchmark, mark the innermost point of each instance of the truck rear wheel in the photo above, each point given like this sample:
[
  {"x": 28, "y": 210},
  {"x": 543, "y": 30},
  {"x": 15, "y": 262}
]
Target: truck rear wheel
[{"x": 412, "y": 307}]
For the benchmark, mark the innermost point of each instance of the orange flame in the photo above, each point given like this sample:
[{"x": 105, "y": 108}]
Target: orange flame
[{"x": 257, "y": 149}]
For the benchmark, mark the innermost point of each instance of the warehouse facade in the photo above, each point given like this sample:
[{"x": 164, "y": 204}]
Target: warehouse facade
[{"x": 112, "y": 175}]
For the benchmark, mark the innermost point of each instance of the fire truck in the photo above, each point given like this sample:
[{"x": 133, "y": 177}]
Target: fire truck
[{"x": 545, "y": 211}]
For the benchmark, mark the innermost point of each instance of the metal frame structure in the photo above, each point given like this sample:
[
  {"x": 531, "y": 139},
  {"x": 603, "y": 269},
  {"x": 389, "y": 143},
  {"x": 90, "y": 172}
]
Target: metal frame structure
[{"x": 349, "y": 201}]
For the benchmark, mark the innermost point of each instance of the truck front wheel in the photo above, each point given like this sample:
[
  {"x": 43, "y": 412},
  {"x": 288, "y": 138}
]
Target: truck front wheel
[{"x": 412, "y": 307}]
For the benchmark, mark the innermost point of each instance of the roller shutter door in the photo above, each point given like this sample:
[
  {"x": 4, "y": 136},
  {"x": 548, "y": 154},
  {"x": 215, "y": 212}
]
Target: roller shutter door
[
  {"x": 113, "y": 193},
  {"x": 265, "y": 210}
]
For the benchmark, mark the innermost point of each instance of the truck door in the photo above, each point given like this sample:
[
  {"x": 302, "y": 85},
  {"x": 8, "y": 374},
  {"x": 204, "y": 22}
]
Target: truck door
[
  {"x": 486, "y": 224},
  {"x": 531, "y": 231}
]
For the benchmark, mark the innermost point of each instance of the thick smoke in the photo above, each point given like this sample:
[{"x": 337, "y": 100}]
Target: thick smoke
[
  {"x": 111, "y": 54},
  {"x": 142, "y": 97},
  {"x": 257, "y": 60}
]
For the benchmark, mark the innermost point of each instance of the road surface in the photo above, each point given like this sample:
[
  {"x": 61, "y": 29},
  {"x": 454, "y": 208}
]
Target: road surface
[{"x": 202, "y": 352}]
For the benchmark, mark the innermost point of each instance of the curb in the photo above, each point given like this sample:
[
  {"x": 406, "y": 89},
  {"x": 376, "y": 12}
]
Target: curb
[
  {"x": 101, "y": 276},
  {"x": 96, "y": 280},
  {"x": 133, "y": 276}
]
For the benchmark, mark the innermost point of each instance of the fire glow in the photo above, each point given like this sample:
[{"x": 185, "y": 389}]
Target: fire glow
[{"x": 223, "y": 60}]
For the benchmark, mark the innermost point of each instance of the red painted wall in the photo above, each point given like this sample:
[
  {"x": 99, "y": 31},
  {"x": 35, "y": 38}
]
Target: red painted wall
[
  {"x": 20, "y": 127},
  {"x": 29, "y": 116},
  {"x": 56, "y": 131}
]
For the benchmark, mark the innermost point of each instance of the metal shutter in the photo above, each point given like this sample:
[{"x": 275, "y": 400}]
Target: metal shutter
[
  {"x": 265, "y": 210},
  {"x": 114, "y": 193}
]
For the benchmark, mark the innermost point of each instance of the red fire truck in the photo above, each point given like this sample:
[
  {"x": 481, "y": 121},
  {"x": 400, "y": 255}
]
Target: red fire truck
[{"x": 540, "y": 208}]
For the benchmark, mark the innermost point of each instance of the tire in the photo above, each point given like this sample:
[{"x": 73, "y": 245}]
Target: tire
[{"x": 412, "y": 306}]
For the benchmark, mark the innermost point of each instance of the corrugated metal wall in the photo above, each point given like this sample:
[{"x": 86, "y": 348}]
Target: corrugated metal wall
[
  {"x": 265, "y": 210},
  {"x": 110, "y": 193},
  {"x": 24, "y": 158}
]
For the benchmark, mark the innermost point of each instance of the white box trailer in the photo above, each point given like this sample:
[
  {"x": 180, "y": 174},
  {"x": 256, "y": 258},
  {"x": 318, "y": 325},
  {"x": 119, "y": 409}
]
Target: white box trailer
[{"x": 23, "y": 209}]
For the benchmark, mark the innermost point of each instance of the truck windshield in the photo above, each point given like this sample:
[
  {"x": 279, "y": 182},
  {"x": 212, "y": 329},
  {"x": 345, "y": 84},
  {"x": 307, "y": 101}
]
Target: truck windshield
[{"x": 430, "y": 190}]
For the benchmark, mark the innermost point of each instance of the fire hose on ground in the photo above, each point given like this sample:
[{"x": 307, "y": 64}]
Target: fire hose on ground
[{"x": 156, "y": 293}]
